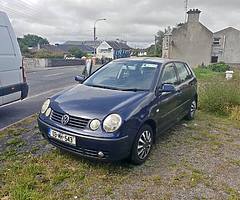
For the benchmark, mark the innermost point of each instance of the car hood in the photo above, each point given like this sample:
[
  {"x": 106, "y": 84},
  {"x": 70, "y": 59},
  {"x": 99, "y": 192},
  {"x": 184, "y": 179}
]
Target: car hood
[{"x": 90, "y": 102}]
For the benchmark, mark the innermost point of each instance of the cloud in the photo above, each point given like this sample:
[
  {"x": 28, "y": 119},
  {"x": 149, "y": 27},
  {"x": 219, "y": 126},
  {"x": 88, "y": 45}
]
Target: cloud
[{"x": 133, "y": 20}]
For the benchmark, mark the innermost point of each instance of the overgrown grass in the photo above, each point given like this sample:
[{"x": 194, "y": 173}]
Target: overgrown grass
[{"x": 218, "y": 95}]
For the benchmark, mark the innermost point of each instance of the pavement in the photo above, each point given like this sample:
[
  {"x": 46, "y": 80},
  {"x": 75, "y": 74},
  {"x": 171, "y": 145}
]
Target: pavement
[{"x": 43, "y": 83}]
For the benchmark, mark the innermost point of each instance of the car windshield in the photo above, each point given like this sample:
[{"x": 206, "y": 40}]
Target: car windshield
[{"x": 129, "y": 76}]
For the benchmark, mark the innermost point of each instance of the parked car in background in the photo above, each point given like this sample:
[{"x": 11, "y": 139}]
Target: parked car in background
[
  {"x": 13, "y": 85},
  {"x": 119, "y": 110}
]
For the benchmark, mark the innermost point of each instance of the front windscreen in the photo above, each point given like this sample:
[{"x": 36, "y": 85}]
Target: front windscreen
[{"x": 129, "y": 75}]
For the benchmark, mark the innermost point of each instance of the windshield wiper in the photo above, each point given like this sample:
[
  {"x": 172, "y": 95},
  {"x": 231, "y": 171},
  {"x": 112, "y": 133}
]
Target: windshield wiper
[
  {"x": 134, "y": 89},
  {"x": 104, "y": 87}
]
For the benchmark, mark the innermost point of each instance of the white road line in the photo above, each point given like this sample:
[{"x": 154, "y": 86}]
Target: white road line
[
  {"x": 28, "y": 99},
  {"x": 37, "y": 95},
  {"x": 8, "y": 126},
  {"x": 57, "y": 74}
]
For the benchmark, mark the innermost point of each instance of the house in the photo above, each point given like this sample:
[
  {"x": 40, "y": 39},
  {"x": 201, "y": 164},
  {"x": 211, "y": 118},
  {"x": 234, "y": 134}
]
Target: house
[
  {"x": 64, "y": 48},
  {"x": 113, "y": 50},
  {"x": 226, "y": 46},
  {"x": 93, "y": 44},
  {"x": 197, "y": 45},
  {"x": 191, "y": 41}
]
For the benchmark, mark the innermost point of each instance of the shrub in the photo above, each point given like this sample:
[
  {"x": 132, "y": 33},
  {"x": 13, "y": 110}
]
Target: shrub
[
  {"x": 219, "y": 67},
  {"x": 220, "y": 96},
  {"x": 42, "y": 53}
]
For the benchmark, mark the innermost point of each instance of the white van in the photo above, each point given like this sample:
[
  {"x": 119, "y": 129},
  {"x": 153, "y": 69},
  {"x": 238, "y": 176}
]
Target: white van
[{"x": 13, "y": 85}]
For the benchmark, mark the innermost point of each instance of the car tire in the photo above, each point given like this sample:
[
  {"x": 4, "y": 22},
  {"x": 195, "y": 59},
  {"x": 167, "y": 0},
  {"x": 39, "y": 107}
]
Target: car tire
[
  {"x": 192, "y": 110},
  {"x": 142, "y": 145}
]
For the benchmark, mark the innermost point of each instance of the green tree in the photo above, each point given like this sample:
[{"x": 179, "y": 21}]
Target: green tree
[
  {"x": 76, "y": 52},
  {"x": 156, "y": 49},
  {"x": 33, "y": 40},
  {"x": 30, "y": 40}
]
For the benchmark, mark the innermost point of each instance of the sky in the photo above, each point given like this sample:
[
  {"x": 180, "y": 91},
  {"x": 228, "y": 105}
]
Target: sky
[{"x": 135, "y": 21}]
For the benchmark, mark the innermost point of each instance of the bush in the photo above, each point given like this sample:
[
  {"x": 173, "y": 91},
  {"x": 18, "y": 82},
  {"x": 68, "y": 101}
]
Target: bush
[
  {"x": 220, "y": 96},
  {"x": 42, "y": 53},
  {"x": 219, "y": 67}
]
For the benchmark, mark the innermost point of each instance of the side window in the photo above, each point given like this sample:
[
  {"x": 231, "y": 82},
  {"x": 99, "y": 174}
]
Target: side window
[
  {"x": 169, "y": 75},
  {"x": 6, "y": 47},
  {"x": 183, "y": 72}
]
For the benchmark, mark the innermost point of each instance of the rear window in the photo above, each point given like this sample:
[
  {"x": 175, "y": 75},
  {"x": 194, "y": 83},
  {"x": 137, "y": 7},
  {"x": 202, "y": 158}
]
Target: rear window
[{"x": 6, "y": 47}]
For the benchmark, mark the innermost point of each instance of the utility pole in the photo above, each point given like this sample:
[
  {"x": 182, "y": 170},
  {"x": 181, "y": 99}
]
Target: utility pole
[
  {"x": 186, "y": 9},
  {"x": 94, "y": 33}
]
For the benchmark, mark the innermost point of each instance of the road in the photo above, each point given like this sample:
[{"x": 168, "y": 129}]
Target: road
[{"x": 42, "y": 84}]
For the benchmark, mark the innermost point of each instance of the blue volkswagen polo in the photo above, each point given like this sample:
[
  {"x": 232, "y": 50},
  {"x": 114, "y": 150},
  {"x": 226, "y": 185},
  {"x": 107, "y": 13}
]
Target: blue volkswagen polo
[{"x": 119, "y": 110}]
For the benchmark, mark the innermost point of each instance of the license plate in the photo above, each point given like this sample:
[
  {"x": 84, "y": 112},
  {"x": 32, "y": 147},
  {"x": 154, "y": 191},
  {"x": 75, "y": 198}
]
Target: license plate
[{"x": 63, "y": 137}]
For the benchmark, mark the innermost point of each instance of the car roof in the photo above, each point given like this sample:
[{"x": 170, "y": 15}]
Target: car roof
[{"x": 150, "y": 59}]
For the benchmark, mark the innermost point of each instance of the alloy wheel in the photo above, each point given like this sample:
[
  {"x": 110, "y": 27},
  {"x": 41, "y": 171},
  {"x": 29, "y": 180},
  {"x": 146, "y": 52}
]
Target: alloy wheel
[
  {"x": 193, "y": 108},
  {"x": 144, "y": 144}
]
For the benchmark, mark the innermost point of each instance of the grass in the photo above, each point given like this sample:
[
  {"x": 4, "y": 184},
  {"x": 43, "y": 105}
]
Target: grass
[
  {"x": 62, "y": 176},
  {"x": 218, "y": 95}
]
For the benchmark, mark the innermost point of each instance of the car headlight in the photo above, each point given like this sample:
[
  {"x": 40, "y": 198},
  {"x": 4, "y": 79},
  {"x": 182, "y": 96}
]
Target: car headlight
[
  {"x": 45, "y": 106},
  {"x": 112, "y": 123},
  {"x": 94, "y": 124}
]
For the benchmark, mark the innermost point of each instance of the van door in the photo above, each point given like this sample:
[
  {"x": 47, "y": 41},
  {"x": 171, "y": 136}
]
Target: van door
[
  {"x": 1, "y": 89},
  {"x": 10, "y": 62}
]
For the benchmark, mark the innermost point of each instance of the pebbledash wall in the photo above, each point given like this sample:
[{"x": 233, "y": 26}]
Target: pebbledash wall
[
  {"x": 32, "y": 63},
  {"x": 197, "y": 45}
]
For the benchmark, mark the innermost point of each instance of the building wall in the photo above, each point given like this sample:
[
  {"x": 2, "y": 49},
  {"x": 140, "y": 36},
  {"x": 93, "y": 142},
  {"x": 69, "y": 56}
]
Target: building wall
[
  {"x": 191, "y": 42},
  {"x": 228, "y": 49},
  {"x": 105, "y": 50}
]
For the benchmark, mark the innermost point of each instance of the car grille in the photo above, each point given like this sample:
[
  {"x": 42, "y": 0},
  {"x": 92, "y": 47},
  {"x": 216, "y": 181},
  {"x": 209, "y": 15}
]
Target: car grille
[{"x": 74, "y": 122}]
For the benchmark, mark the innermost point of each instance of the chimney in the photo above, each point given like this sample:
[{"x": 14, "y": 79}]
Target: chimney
[{"x": 193, "y": 15}]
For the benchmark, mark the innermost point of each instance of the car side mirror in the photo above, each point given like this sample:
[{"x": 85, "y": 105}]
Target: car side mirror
[
  {"x": 169, "y": 88},
  {"x": 80, "y": 78}
]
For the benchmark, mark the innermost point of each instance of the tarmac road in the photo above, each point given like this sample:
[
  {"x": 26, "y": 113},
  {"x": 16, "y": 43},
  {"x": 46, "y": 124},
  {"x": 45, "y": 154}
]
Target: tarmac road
[{"x": 42, "y": 84}]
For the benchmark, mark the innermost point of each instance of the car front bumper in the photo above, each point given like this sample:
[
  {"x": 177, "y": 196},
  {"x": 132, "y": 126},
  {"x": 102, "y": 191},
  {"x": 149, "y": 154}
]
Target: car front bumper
[{"x": 111, "y": 149}]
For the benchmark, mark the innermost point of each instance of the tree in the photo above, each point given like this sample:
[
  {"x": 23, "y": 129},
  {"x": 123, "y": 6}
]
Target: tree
[
  {"x": 30, "y": 40},
  {"x": 33, "y": 40},
  {"x": 76, "y": 52},
  {"x": 156, "y": 49}
]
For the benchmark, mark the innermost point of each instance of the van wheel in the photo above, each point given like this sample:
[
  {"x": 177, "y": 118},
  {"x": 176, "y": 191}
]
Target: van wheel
[
  {"x": 192, "y": 110},
  {"x": 142, "y": 145}
]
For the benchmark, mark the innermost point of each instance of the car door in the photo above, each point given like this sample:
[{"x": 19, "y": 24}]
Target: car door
[
  {"x": 184, "y": 86},
  {"x": 167, "y": 103}
]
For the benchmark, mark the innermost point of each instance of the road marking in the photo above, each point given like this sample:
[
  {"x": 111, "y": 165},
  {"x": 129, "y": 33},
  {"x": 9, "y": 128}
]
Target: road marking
[
  {"x": 19, "y": 121},
  {"x": 28, "y": 99},
  {"x": 57, "y": 74},
  {"x": 37, "y": 95}
]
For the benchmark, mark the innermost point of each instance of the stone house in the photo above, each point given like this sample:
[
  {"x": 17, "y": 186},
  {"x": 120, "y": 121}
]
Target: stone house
[
  {"x": 191, "y": 41},
  {"x": 197, "y": 45},
  {"x": 226, "y": 46}
]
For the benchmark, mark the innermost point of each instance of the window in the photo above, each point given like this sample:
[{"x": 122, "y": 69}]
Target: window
[
  {"x": 216, "y": 41},
  {"x": 6, "y": 47},
  {"x": 214, "y": 59},
  {"x": 182, "y": 71},
  {"x": 125, "y": 75},
  {"x": 169, "y": 74}
]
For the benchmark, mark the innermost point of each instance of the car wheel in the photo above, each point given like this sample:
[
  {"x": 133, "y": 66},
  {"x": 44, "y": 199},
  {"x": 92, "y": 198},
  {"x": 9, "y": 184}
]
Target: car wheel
[
  {"x": 142, "y": 145},
  {"x": 192, "y": 110}
]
